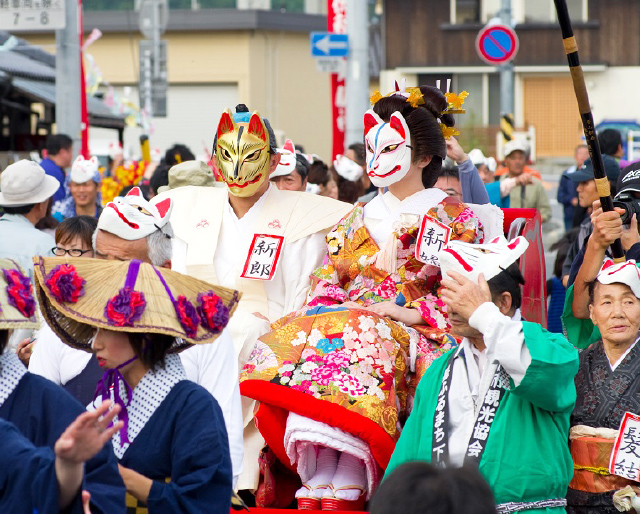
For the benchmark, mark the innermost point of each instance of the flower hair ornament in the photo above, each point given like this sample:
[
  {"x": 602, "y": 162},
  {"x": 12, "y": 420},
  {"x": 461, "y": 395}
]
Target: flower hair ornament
[{"x": 415, "y": 98}]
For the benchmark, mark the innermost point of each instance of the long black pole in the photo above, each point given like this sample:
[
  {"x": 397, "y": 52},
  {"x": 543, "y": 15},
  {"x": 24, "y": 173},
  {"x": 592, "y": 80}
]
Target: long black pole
[{"x": 580, "y": 88}]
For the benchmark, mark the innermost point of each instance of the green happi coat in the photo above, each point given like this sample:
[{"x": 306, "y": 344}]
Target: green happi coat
[{"x": 526, "y": 457}]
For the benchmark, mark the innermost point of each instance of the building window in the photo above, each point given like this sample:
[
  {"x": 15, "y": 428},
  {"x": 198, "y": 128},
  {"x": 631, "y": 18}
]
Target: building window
[
  {"x": 466, "y": 11},
  {"x": 524, "y": 11},
  {"x": 544, "y": 11}
]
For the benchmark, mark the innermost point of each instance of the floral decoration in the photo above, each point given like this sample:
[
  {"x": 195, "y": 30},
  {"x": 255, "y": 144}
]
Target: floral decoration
[
  {"x": 64, "y": 283},
  {"x": 125, "y": 308},
  {"x": 20, "y": 292},
  {"x": 187, "y": 315},
  {"x": 214, "y": 314}
]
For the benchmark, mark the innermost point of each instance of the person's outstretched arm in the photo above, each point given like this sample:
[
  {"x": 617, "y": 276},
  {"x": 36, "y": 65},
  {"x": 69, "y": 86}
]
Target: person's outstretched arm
[{"x": 83, "y": 439}]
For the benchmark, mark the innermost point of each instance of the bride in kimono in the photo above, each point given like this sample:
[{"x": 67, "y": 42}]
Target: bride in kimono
[{"x": 335, "y": 380}]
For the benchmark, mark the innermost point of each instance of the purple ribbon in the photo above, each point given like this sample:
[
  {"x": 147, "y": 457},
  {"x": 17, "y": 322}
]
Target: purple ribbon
[{"x": 111, "y": 380}]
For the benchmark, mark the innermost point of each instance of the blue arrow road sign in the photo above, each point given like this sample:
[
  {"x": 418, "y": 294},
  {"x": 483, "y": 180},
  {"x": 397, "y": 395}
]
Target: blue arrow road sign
[{"x": 327, "y": 44}]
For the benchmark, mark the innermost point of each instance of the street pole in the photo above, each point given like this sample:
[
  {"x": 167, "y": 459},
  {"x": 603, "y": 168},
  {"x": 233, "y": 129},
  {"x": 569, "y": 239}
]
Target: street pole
[
  {"x": 156, "y": 39},
  {"x": 68, "y": 90},
  {"x": 506, "y": 83},
  {"x": 357, "y": 80}
]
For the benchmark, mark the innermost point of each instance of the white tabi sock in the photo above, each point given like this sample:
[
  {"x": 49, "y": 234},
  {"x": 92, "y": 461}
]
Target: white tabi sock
[
  {"x": 351, "y": 472},
  {"x": 326, "y": 464}
]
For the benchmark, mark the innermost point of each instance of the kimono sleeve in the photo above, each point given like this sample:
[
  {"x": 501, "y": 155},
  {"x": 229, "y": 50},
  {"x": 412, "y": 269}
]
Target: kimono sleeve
[
  {"x": 28, "y": 480},
  {"x": 581, "y": 333},
  {"x": 549, "y": 379},
  {"x": 466, "y": 227},
  {"x": 326, "y": 282},
  {"x": 201, "y": 475}
]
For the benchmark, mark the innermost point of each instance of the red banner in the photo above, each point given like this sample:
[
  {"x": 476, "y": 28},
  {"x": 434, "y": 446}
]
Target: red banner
[{"x": 337, "y": 23}]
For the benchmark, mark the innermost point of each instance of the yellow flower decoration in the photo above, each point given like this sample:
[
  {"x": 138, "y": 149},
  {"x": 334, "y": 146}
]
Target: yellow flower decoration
[
  {"x": 375, "y": 97},
  {"x": 415, "y": 96},
  {"x": 447, "y": 132},
  {"x": 455, "y": 101}
]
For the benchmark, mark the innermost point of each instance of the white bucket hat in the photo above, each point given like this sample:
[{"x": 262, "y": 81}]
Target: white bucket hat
[{"x": 25, "y": 183}]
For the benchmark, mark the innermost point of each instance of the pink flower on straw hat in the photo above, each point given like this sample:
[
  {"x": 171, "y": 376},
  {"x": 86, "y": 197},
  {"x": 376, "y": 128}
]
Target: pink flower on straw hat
[
  {"x": 125, "y": 308},
  {"x": 214, "y": 314},
  {"x": 187, "y": 315},
  {"x": 20, "y": 292},
  {"x": 65, "y": 284}
]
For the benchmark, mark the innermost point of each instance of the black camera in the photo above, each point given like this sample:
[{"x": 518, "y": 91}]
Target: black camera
[{"x": 631, "y": 205}]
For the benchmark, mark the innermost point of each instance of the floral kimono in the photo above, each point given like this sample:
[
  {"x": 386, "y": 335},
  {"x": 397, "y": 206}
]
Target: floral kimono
[{"x": 349, "y": 368}]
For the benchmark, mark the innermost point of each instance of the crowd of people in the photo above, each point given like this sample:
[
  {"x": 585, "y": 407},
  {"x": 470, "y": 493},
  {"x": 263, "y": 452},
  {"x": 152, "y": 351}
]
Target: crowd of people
[{"x": 265, "y": 329}]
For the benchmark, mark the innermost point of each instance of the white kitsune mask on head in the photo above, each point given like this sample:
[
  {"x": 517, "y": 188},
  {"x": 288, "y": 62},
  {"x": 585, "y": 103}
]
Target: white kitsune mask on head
[
  {"x": 626, "y": 273},
  {"x": 347, "y": 168},
  {"x": 388, "y": 147},
  {"x": 287, "y": 164},
  {"x": 132, "y": 217},
  {"x": 489, "y": 258},
  {"x": 83, "y": 170}
]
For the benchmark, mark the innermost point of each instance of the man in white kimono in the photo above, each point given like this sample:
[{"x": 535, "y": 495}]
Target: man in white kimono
[
  {"x": 252, "y": 237},
  {"x": 132, "y": 228}
]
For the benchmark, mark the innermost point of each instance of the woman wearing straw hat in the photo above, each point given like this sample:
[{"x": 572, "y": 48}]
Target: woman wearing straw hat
[
  {"x": 172, "y": 449},
  {"x": 39, "y": 409}
]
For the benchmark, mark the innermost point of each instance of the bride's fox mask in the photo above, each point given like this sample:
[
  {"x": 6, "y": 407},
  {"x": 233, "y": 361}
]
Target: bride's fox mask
[
  {"x": 242, "y": 153},
  {"x": 388, "y": 147}
]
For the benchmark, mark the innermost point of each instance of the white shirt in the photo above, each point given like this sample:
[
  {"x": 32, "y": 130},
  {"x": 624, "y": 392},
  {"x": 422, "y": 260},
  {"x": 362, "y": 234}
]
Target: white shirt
[
  {"x": 54, "y": 360},
  {"x": 288, "y": 289},
  {"x": 214, "y": 366},
  {"x": 472, "y": 375}
]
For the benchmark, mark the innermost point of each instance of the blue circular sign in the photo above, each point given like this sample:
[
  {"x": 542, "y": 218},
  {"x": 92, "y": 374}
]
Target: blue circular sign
[{"x": 497, "y": 44}]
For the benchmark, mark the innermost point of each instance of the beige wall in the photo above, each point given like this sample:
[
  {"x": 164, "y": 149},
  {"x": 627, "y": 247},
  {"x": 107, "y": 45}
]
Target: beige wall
[{"x": 274, "y": 72}]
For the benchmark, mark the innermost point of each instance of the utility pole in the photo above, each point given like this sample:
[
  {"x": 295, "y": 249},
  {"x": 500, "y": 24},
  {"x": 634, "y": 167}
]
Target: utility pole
[
  {"x": 68, "y": 92},
  {"x": 357, "y": 81},
  {"x": 506, "y": 82}
]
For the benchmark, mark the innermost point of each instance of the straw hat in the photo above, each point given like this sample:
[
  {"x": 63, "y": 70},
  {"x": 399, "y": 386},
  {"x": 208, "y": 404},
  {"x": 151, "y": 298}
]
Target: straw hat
[
  {"x": 79, "y": 295},
  {"x": 17, "y": 304}
]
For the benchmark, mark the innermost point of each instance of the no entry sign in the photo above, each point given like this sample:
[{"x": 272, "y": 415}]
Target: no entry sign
[{"x": 497, "y": 44}]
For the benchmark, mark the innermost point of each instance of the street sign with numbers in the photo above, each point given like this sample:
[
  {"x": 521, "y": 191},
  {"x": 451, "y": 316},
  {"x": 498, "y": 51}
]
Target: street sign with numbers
[{"x": 31, "y": 15}]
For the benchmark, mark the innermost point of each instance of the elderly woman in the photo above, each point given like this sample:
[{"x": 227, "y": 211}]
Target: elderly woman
[
  {"x": 608, "y": 385},
  {"x": 173, "y": 449},
  {"x": 39, "y": 409}
]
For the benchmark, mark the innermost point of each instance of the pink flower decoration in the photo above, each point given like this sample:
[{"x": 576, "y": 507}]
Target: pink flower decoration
[
  {"x": 214, "y": 314},
  {"x": 125, "y": 308},
  {"x": 187, "y": 316},
  {"x": 64, "y": 283},
  {"x": 20, "y": 292}
]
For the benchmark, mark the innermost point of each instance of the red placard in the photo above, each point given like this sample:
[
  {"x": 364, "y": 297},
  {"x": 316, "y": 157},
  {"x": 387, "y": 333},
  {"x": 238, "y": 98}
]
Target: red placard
[
  {"x": 337, "y": 23},
  {"x": 625, "y": 457},
  {"x": 263, "y": 257}
]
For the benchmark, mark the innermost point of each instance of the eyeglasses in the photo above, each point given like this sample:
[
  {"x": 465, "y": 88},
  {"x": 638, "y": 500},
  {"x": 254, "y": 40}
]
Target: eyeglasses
[{"x": 74, "y": 252}]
